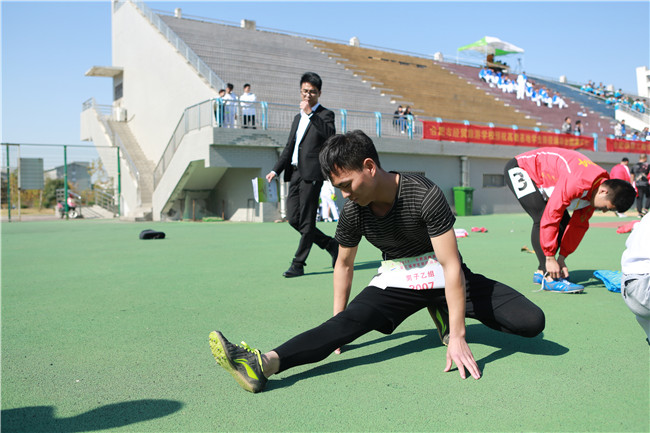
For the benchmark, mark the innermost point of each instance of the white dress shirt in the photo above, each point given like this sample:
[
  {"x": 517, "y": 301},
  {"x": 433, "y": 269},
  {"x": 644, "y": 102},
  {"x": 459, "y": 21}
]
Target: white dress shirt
[{"x": 300, "y": 132}]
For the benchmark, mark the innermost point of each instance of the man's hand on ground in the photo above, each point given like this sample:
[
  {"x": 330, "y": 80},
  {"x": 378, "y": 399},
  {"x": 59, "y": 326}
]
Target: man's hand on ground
[{"x": 459, "y": 353}]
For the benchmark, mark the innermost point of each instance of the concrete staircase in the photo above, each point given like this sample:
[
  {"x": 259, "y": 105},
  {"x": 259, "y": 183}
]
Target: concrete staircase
[{"x": 138, "y": 161}]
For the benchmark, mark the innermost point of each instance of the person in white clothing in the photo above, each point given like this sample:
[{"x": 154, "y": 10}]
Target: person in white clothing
[
  {"x": 635, "y": 265},
  {"x": 230, "y": 110},
  {"x": 557, "y": 100},
  {"x": 521, "y": 86},
  {"x": 247, "y": 107},
  {"x": 327, "y": 204}
]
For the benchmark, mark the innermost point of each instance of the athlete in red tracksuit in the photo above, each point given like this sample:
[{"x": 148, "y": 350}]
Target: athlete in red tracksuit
[{"x": 549, "y": 182}]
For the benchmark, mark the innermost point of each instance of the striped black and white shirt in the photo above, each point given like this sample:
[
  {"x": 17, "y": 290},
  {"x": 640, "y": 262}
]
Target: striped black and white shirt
[{"x": 420, "y": 212}]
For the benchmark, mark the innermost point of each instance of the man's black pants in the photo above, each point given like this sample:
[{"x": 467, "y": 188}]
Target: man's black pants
[
  {"x": 644, "y": 194},
  {"x": 302, "y": 206},
  {"x": 494, "y": 304}
]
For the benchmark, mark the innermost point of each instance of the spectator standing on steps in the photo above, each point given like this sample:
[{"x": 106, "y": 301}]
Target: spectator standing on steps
[
  {"x": 230, "y": 108},
  {"x": 640, "y": 172},
  {"x": 566, "y": 126},
  {"x": 577, "y": 129},
  {"x": 247, "y": 100}
]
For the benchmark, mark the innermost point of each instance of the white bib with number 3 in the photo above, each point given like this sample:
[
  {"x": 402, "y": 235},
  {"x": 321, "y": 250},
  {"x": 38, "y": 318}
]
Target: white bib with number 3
[
  {"x": 521, "y": 182},
  {"x": 417, "y": 273}
]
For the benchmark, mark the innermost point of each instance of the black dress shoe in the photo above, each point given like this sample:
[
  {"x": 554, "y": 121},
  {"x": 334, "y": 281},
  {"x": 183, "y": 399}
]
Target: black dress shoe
[
  {"x": 333, "y": 249},
  {"x": 294, "y": 271}
]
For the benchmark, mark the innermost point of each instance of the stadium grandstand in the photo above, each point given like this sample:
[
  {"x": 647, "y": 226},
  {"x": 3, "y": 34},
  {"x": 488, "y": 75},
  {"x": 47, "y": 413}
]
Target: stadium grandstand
[{"x": 179, "y": 160}]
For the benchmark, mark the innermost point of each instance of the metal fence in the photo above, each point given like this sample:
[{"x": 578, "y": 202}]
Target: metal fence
[{"x": 77, "y": 168}]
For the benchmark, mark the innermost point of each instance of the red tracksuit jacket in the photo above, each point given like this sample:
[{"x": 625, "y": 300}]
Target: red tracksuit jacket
[{"x": 569, "y": 180}]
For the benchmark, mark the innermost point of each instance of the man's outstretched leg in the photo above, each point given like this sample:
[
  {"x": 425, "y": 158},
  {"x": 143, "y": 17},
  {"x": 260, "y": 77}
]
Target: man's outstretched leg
[
  {"x": 373, "y": 309},
  {"x": 251, "y": 368}
]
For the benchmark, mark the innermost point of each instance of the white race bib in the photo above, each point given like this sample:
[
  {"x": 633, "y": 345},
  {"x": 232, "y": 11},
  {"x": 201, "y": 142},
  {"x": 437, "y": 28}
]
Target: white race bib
[
  {"x": 417, "y": 273},
  {"x": 521, "y": 182}
]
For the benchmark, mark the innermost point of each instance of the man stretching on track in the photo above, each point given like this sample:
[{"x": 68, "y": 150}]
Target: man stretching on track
[{"x": 407, "y": 217}]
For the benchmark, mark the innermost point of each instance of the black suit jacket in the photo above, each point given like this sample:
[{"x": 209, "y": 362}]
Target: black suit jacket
[{"x": 320, "y": 128}]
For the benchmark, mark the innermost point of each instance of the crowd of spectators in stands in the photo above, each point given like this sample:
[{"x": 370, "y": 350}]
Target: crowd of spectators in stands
[
  {"x": 616, "y": 98},
  {"x": 523, "y": 86}
]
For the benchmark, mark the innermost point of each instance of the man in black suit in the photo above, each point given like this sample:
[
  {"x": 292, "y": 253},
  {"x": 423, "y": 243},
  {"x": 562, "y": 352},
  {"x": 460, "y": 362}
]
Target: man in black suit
[{"x": 299, "y": 161}]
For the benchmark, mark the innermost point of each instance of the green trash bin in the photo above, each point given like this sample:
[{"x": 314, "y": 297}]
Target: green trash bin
[{"x": 463, "y": 200}]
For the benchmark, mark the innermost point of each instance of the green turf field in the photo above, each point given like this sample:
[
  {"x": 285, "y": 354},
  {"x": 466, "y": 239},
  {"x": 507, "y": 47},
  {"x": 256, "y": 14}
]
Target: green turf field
[{"x": 103, "y": 331}]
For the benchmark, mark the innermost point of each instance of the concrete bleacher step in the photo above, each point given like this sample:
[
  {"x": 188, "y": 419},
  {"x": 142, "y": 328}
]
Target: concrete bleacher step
[
  {"x": 273, "y": 62},
  {"x": 424, "y": 85}
]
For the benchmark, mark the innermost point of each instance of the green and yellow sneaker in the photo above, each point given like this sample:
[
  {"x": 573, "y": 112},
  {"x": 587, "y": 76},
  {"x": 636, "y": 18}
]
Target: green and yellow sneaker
[
  {"x": 242, "y": 362},
  {"x": 440, "y": 317}
]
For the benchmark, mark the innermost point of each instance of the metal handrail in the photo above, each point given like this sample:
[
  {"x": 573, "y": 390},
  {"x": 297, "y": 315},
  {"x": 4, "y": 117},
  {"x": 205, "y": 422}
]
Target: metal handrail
[
  {"x": 118, "y": 141},
  {"x": 644, "y": 117},
  {"x": 192, "y": 58},
  {"x": 105, "y": 200},
  {"x": 115, "y": 139},
  {"x": 102, "y": 116},
  {"x": 103, "y": 109},
  {"x": 274, "y": 116}
]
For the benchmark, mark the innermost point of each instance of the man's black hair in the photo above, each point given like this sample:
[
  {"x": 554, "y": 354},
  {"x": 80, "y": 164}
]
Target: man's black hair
[
  {"x": 625, "y": 160},
  {"x": 246, "y": 85},
  {"x": 621, "y": 193},
  {"x": 346, "y": 152},
  {"x": 312, "y": 78},
  {"x": 230, "y": 86}
]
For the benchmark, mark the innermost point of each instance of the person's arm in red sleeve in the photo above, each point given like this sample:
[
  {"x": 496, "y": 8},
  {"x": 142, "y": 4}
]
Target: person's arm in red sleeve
[
  {"x": 575, "y": 231},
  {"x": 549, "y": 226},
  {"x": 566, "y": 190}
]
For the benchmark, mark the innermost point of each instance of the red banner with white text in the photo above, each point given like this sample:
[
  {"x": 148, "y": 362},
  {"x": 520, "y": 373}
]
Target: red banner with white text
[
  {"x": 448, "y": 131},
  {"x": 631, "y": 146}
]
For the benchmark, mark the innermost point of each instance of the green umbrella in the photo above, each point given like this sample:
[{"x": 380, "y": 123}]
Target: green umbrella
[{"x": 492, "y": 45}]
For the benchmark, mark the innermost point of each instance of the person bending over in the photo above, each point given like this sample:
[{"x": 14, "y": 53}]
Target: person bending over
[{"x": 550, "y": 182}]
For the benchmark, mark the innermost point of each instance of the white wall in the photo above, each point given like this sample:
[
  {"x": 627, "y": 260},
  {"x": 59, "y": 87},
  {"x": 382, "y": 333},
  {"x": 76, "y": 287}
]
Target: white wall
[
  {"x": 633, "y": 120},
  {"x": 195, "y": 146},
  {"x": 643, "y": 81},
  {"x": 158, "y": 83}
]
